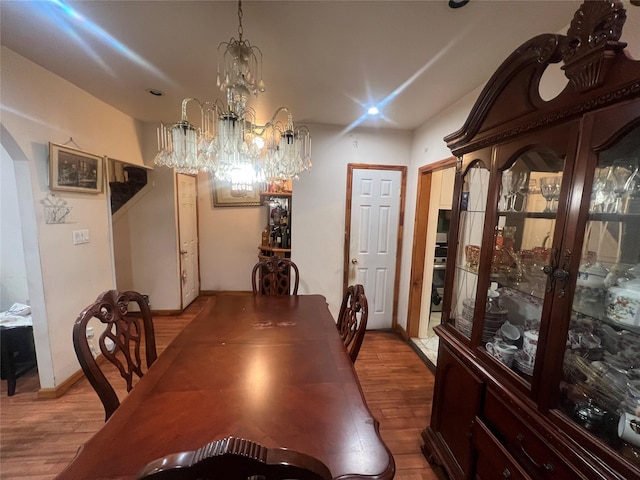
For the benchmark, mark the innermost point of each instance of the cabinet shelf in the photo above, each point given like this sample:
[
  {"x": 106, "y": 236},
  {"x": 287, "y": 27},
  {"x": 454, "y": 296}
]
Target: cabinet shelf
[
  {"x": 615, "y": 217},
  {"x": 266, "y": 248},
  {"x": 543, "y": 215},
  {"x": 597, "y": 312},
  {"x": 466, "y": 269},
  {"x": 275, "y": 195}
]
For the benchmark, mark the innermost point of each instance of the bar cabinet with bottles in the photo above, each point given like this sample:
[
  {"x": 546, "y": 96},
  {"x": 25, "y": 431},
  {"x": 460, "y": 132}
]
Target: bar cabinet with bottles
[{"x": 538, "y": 371}]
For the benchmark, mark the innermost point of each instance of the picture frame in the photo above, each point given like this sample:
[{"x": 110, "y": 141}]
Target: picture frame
[
  {"x": 224, "y": 196},
  {"x": 73, "y": 170}
]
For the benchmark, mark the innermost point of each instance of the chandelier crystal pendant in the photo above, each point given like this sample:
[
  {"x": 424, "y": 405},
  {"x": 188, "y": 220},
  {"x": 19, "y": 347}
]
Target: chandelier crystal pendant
[{"x": 229, "y": 143}]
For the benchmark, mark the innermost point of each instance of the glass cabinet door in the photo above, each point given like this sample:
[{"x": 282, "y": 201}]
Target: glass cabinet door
[
  {"x": 473, "y": 205},
  {"x": 523, "y": 235},
  {"x": 600, "y": 389}
]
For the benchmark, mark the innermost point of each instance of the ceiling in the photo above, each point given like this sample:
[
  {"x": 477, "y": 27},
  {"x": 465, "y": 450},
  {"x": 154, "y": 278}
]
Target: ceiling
[{"x": 324, "y": 60}]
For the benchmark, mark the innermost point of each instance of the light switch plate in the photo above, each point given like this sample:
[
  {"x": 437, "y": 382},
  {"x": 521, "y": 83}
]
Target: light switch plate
[{"x": 80, "y": 236}]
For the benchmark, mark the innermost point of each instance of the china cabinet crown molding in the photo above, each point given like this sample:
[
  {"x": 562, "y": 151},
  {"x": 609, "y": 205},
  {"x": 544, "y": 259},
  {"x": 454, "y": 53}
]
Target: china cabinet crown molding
[{"x": 510, "y": 104}]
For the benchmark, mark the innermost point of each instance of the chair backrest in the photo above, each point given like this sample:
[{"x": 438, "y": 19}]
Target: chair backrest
[
  {"x": 352, "y": 319},
  {"x": 236, "y": 459},
  {"x": 273, "y": 276},
  {"x": 119, "y": 343}
]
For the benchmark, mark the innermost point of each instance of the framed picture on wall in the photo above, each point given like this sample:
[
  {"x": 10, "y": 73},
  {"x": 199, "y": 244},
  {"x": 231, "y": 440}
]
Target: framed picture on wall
[
  {"x": 74, "y": 170},
  {"x": 224, "y": 194}
]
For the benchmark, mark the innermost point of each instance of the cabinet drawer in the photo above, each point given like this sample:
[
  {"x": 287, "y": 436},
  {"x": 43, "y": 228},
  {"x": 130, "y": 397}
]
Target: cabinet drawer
[
  {"x": 531, "y": 451},
  {"x": 494, "y": 462}
]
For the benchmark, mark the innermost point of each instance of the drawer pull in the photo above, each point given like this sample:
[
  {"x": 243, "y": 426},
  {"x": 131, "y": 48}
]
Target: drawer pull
[
  {"x": 506, "y": 473},
  {"x": 546, "y": 466}
]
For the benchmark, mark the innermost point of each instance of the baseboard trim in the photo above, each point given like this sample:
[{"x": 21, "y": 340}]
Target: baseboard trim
[
  {"x": 402, "y": 332},
  {"x": 213, "y": 293},
  {"x": 60, "y": 390},
  {"x": 57, "y": 392},
  {"x": 165, "y": 313}
]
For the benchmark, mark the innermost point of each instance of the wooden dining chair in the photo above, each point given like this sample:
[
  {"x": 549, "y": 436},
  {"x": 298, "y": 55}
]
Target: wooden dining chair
[
  {"x": 236, "y": 459},
  {"x": 352, "y": 319},
  {"x": 120, "y": 342},
  {"x": 273, "y": 276}
]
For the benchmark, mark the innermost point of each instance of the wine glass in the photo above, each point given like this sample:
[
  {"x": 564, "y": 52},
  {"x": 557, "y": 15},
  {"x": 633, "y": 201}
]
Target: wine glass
[
  {"x": 601, "y": 191},
  {"x": 506, "y": 191},
  {"x": 622, "y": 173},
  {"x": 521, "y": 189},
  {"x": 550, "y": 190}
]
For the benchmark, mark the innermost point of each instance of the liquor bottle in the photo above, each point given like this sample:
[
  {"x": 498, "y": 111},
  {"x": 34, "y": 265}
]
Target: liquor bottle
[
  {"x": 278, "y": 234},
  {"x": 265, "y": 236}
]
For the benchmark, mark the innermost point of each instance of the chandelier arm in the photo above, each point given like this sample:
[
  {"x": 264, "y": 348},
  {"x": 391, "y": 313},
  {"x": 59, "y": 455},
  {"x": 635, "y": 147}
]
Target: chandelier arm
[
  {"x": 184, "y": 106},
  {"x": 272, "y": 122}
]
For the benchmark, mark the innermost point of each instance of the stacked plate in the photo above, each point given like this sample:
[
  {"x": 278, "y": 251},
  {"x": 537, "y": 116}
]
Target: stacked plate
[
  {"x": 493, "y": 320},
  {"x": 464, "y": 321}
]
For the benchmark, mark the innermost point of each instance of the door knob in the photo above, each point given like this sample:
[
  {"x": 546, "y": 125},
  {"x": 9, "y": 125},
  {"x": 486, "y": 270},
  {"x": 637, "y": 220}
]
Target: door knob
[{"x": 354, "y": 260}]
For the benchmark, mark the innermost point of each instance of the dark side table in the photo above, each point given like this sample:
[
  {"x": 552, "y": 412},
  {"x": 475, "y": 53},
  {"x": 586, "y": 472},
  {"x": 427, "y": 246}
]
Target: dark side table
[{"x": 17, "y": 354}]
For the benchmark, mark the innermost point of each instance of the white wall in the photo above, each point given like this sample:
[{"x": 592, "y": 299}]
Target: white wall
[
  {"x": 154, "y": 242},
  {"x": 319, "y": 201},
  {"x": 229, "y": 236},
  {"x": 145, "y": 242},
  {"x": 229, "y": 239},
  {"x": 37, "y": 108},
  {"x": 428, "y": 147},
  {"x": 13, "y": 272}
]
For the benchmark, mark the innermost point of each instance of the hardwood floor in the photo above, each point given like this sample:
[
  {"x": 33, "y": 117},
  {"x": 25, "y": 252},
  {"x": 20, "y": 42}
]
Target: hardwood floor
[{"x": 38, "y": 438}]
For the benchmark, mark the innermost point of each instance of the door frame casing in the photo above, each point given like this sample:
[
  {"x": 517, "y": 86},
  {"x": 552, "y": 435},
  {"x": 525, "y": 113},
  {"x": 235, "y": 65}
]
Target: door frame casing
[
  {"x": 419, "y": 247},
  {"x": 347, "y": 229},
  {"x": 177, "y": 199}
]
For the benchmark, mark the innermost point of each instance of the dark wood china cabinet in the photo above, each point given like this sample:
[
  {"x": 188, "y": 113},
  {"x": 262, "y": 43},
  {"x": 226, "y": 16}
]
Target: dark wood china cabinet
[{"x": 538, "y": 371}]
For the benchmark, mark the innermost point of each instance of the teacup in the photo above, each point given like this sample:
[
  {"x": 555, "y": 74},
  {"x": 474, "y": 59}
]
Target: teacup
[
  {"x": 502, "y": 351},
  {"x": 629, "y": 429},
  {"x": 510, "y": 332},
  {"x": 530, "y": 343}
]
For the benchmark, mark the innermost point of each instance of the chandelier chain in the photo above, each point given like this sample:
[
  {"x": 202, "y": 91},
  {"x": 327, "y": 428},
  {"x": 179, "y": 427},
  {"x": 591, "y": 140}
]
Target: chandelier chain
[{"x": 240, "y": 20}]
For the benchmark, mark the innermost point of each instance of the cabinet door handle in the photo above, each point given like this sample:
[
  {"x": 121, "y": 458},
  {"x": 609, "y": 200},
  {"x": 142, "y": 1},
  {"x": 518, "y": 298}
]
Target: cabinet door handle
[
  {"x": 506, "y": 473},
  {"x": 562, "y": 274},
  {"x": 549, "y": 270},
  {"x": 545, "y": 466}
]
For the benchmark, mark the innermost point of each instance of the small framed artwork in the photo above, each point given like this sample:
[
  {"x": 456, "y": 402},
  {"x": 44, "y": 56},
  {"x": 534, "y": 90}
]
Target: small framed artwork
[
  {"x": 74, "y": 170},
  {"x": 225, "y": 194}
]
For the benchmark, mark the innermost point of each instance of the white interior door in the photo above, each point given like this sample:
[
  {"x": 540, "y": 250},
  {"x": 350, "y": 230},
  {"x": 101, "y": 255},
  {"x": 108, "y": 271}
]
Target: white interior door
[
  {"x": 188, "y": 238},
  {"x": 375, "y": 215}
]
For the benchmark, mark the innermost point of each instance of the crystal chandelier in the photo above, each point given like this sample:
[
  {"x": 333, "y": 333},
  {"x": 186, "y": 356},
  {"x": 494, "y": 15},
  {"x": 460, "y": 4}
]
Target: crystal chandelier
[{"x": 229, "y": 143}]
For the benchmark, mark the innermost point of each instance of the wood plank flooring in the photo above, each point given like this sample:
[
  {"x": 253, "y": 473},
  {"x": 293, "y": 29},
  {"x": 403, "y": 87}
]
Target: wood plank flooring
[{"x": 38, "y": 438}]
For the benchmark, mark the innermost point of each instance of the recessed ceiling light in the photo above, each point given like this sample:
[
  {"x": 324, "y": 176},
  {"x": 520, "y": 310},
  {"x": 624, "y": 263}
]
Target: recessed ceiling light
[
  {"x": 154, "y": 92},
  {"x": 373, "y": 110}
]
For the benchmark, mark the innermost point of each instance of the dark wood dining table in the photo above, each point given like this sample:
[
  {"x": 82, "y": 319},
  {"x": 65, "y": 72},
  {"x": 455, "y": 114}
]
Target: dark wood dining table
[{"x": 269, "y": 369}]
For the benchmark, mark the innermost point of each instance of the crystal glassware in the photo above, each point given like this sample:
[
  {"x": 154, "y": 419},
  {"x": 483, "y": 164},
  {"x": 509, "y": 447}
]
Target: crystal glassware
[
  {"x": 622, "y": 173},
  {"x": 550, "y": 190}
]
